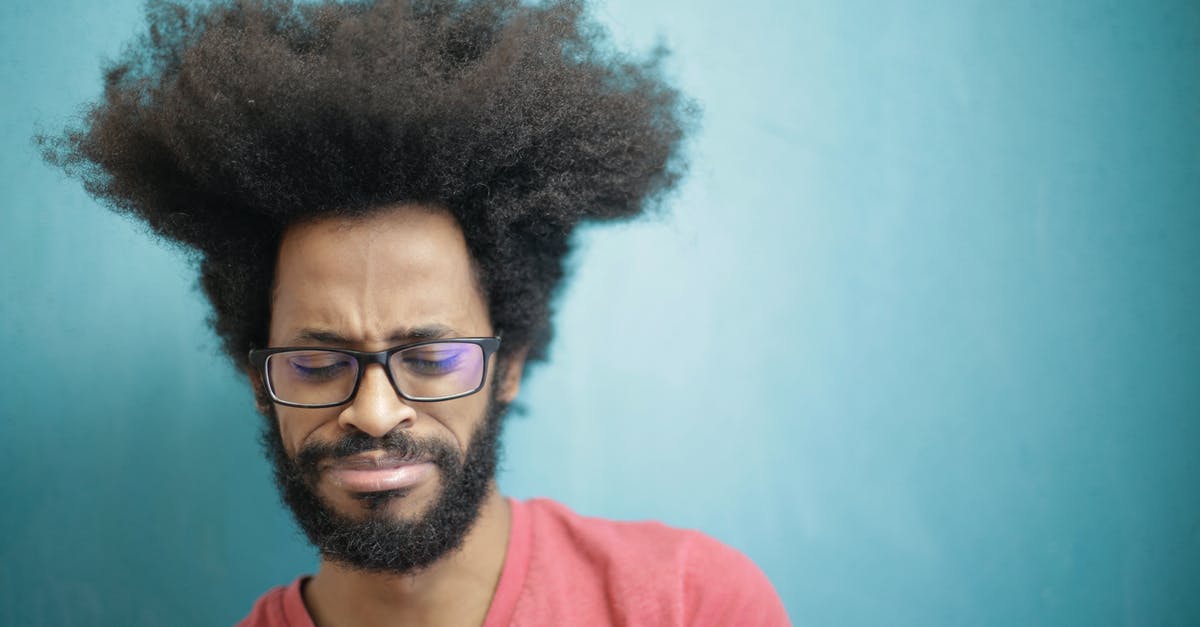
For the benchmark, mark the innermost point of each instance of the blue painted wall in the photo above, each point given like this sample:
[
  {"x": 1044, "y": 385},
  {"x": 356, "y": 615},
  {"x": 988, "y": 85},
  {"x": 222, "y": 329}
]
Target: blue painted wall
[{"x": 919, "y": 334}]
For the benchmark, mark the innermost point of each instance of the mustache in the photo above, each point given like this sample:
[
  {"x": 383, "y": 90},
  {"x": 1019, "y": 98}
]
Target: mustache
[{"x": 398, "y": 443}]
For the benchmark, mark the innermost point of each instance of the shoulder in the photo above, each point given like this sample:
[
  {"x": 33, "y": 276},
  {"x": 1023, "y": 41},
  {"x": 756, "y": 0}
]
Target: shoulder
[
  {"x": 679, "y": 576},
  {"x": 724, "y": 587},
  {"x": 279, "y": 607},
  {"x": 555, "y": 523}
]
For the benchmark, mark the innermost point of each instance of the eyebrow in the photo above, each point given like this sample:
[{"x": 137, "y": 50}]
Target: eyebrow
[{"x": 398, "y": 336}]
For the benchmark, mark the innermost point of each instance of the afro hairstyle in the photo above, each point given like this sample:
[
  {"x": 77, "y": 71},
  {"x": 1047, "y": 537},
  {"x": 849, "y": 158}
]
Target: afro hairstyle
[{"x": 225, "y": 123}]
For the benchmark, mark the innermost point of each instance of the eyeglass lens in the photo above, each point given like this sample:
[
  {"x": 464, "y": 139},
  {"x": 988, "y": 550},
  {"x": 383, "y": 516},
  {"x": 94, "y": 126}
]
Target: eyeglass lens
[{"x": 325, "y": 377}]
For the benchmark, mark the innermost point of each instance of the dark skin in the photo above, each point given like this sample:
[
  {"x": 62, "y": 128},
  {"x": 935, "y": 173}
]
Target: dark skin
[{"x": 367, "y": 284}]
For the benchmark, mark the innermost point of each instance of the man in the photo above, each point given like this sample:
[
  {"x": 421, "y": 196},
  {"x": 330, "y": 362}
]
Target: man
[{"x": 380, "y": 196}]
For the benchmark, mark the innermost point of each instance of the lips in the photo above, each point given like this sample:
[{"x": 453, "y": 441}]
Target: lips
[{"x": 377, "y": 472}]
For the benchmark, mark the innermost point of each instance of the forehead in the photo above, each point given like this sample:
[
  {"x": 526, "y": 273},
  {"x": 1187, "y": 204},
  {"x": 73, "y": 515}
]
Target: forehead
[{"x": 369, "y": 279}]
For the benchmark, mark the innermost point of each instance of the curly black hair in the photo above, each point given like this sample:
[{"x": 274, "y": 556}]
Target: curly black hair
[{"x": 225, "y": 124}]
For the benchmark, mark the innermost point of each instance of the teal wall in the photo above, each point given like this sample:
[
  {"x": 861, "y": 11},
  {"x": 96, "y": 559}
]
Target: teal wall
[{"x": 919, "y": 334}]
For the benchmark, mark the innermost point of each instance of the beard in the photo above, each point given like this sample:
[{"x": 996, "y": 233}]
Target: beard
[{"x": 378, "y": 541}]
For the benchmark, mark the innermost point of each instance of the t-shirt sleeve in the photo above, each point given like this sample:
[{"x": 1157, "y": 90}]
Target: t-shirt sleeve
[{"x": 721, "y": 586}]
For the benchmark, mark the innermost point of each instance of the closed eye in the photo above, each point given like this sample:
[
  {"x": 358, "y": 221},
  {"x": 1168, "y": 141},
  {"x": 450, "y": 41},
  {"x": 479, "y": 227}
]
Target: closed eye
[
  {"x": 433, "y": 365},
  {"x": 322, "y": 369}
]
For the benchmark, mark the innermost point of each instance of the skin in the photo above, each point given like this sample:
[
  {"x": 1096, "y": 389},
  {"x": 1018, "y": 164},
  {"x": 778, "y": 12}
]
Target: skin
[{"x": 366, "y": 284}]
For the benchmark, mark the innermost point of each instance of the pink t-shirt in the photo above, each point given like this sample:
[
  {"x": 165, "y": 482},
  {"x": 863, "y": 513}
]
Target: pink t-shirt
[{"x": 565, "y": 569}]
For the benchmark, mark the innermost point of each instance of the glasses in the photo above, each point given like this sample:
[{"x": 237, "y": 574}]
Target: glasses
[{"x": 434, "y": 370}]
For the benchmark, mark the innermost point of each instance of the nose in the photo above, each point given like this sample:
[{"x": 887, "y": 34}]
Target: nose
[{"x": 377, "y": 408}]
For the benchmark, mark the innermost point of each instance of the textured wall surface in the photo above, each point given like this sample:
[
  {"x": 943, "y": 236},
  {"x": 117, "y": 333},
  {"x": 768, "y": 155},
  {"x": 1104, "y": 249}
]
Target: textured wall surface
[{"x": 919, "y": 334}]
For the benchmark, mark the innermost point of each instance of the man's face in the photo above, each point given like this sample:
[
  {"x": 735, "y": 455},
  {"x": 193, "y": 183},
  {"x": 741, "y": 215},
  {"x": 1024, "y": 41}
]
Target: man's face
[{"x": 396, "y": 277}]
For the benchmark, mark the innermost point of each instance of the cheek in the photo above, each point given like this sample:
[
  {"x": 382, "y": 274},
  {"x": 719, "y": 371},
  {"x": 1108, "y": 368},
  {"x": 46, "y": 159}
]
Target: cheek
[
  {"x": 296, "y": 425},
  {"x": 461, "y": 417}
]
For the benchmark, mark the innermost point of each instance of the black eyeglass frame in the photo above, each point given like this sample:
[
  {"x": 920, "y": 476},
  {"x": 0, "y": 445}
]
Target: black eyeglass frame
[{"x": 259, "y": 356}]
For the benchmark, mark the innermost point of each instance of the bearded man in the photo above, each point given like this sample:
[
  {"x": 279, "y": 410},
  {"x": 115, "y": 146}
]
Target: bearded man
[{"x": 380, "y": 197}]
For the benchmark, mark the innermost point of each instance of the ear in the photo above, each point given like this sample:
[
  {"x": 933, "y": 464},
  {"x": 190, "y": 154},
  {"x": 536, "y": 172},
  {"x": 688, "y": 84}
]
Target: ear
[{"x": 510, "y": 375}]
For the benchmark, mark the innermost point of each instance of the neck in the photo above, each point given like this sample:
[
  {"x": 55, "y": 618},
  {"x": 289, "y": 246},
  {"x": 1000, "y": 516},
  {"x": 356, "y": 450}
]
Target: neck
[{"x": 455, "y": 590}]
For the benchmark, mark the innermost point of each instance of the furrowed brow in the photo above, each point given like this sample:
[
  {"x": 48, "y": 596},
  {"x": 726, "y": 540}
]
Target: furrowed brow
[
  {"x": 398, "y": 336},
  {"x": 321, "y": 336},
  {"x": 417, "y": 334}
]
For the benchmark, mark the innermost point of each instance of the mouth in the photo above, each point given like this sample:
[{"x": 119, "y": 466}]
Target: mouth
[{"x": 377, "y": 472}]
